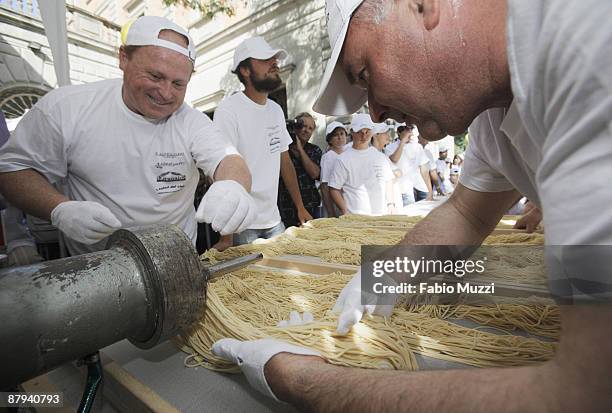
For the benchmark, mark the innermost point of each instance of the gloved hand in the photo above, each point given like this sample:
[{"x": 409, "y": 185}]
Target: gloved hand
[
  {"x": 84, "y": 221},
  {"x": 350, "y": 308},
  {"x": 252, "y": 356},
  {"x": 23, "y": 255},
  {"x": 295, "y": 319},
  {"x": 228, "y": 207},
  {"x": 531, "y": 218}
]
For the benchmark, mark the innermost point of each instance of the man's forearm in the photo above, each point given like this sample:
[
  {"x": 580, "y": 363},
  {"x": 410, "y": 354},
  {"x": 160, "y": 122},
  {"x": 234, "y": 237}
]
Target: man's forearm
[
  {"x": 312, "y": 169},
  {"x": 327, "y": 200},
  {"x": 290, "y": 180},
  {"x": 426, "y": 177},
  {"x": 576, "y": 379},
  {"x": 390, "y": 193},
  {"x": 467, "y": 218},
  {"x": 314, "y": 386},
  {"x": 395, "y": 156},
  {"x": 30, "y": 192},
  {"x": 336, "y": 195},
  {"x": 234, "y": 168}
]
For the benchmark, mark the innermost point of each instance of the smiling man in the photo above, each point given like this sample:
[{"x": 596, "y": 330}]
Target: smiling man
[
  {"x": 127, "y": 151},
  {"x": 540, "y": 72}
]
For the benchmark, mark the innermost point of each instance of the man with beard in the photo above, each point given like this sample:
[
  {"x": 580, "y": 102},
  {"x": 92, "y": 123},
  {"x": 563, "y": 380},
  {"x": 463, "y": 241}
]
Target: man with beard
[{"x": 256, "y": 127}]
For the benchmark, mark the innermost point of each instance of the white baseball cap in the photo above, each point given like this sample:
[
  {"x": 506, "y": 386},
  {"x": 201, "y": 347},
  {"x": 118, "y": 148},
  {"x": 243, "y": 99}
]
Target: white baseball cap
[
  {"x": 361, "y": 121},
  {"x": 257, "y": 48},
  {"x": 381, "y": 127},
  {"x": 332, "y": 127},
  {"x": 144, "y": 31},
  {"x": 336, "y": 95}
]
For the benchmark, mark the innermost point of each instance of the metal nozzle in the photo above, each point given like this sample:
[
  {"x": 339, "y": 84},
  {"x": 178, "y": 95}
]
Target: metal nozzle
[{"x": 225, "y": 267}]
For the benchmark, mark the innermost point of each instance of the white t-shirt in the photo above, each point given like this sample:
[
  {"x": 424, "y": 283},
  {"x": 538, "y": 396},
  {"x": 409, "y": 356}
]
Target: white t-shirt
[
  {"x": 328, "y": 161},
  {"x": 259, "y": 134},
  {"x": 362, "y": 175},
  {"x": 442, "y": 167},
  {"x": 430, "y": 149},
  {"x": 413, "y": 156},
  {"x": 557, "y": 148},
  {"x": 145, "y": 172}
]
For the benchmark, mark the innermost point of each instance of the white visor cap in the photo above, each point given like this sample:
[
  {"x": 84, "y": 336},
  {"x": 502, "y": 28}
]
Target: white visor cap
[
  {"x": 256, "y": 48},
  {"x": 145, "y": 30},
  {"x": 333, "y": 126},
  {"x": 361, "y": 121},
  {"x": 337, "y": 97}
]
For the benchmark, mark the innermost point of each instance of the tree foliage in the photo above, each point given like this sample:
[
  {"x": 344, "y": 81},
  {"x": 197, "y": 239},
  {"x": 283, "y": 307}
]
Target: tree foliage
[
  {"x": 208, "y": 8},
  {"x": 461, "y": 142}
]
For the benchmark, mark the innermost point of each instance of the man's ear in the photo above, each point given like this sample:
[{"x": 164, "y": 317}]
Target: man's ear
[
  {"x": 122, "y": 58},
  {"x": 431, "y": 13},
  {"x": 245, "y": 71}
]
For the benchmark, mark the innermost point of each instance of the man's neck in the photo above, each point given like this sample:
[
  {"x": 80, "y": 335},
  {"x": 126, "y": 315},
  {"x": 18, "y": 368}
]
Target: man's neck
[
  {"x": 360, "y": 146},
  {"x": 256, "y": 96}
]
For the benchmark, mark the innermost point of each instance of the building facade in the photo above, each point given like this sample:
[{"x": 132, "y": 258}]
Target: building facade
[
  {"x": 298, "y": 26},
  {"x": 26, "y": 63}
]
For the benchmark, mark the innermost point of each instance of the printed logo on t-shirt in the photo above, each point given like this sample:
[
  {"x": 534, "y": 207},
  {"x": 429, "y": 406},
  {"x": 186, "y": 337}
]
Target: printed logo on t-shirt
[
  {"x": 274, "y": 136},
  {"x": 379, "y": 172},
  {"x": 170, "y": 167}
]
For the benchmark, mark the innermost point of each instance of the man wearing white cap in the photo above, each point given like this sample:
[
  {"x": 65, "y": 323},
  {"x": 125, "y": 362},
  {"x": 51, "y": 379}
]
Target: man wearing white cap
[
  {"x": 255, "y": 125},
  {"x": 466, "y": 57},
  {"x": 335, "y": 136},
  {"x": 362, "y": 181},
  {"x": 127, "y": 150},
  {"x": 410, "y": 157}
]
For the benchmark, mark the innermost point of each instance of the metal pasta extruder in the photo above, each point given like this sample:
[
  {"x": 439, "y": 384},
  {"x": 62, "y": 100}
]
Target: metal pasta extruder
[{"x": 147, "y": 286}]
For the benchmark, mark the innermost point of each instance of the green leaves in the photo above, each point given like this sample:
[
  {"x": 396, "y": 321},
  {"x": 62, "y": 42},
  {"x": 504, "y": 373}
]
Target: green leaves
[{"x": 208, "y": 8}]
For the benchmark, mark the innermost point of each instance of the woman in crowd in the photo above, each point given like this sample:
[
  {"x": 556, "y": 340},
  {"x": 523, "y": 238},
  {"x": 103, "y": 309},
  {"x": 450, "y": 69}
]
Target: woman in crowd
[{"x": 335, "y": 135}]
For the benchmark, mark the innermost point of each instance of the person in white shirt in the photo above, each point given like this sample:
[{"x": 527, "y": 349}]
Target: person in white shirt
[
  {"x": 362, "y": 180},
  {"x": 431, "y": 151},
  {"x": 128, "y": 150},
  {"x": 255, "y": 125},
  {"x": 412, "y": 160},
  {"x": 443, "y": 170},
  {"x": 381, "y": 141},
  {"x": 335, "y": 136},
  {"x": 458, "y": 161},
  {"x": 546, "y": 64}
]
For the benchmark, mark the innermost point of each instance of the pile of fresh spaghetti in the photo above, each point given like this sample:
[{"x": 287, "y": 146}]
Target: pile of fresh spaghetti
[{"x": 248, "y": 304}]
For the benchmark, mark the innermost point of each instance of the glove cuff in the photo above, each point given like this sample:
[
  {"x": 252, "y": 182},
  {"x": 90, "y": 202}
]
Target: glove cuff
[{"x": 57, "y": 211}]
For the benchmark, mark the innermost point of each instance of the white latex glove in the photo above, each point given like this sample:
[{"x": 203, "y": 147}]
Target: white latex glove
[
  {"x": 295, "y": 319},
  {"x": 84, "y": 221},
  {"x": 350, "y": 308},
  {"x": 228, "y": 207},
  {"x": 252, "y": 356}
]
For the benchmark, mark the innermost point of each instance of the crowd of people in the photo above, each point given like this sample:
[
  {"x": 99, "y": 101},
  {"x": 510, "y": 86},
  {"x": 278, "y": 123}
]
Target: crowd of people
[{"x": 364, "y": 170}]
